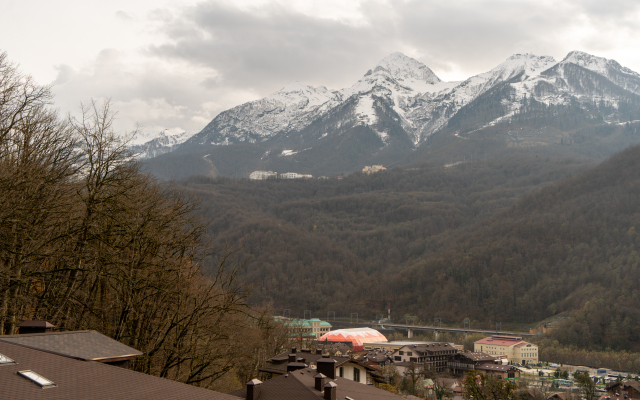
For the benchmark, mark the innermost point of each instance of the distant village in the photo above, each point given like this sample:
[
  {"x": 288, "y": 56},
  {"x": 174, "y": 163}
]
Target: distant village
[
  {"x": 263, "y": 175},
  {"x": 351, "y": 364}
]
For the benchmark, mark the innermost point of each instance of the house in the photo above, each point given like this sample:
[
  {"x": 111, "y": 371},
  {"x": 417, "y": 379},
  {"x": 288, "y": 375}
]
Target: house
[
  {"x": 376, "y": 357},
  {"x": 359, "y": 372},
  {"x": 460, "y": 363},
  {"x": 337, "y": 349},
  {"x": 311, "y": 384},
  {"x": 560, "y": 396},
  {"x": 628, "y": 388},
  {"x": 433, "y": 355},
  {"x": 81, "y": 373},
  {"x": 282, "y": 363},
  {"x": 512, "y": 347},
  {"x": 503, "y": 371}
]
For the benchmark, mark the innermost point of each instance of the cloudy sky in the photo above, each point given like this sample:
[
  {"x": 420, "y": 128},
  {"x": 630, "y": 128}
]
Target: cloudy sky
[{"x": 177, "y": 64}]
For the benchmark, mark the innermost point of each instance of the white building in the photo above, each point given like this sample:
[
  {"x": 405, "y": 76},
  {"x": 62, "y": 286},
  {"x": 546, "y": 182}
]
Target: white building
[
  {"x": 261, "y": 175},
  {"x": 355, "y": 371},
  {"x": 373, "y": 168},
  {"x": 294, "y": 175}
]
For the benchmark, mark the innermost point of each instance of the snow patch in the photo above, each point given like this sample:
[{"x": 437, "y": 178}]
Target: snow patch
[{"x": 365, "y": 112}]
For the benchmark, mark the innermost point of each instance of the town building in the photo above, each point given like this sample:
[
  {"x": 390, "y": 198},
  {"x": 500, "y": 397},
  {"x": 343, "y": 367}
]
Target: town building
[
  {"x": 512, "y": 347},
  {"x": 370, "y": 169},
  {"x": 466, "y": 361},
  {"x": 262, "y": 175},
  {"x": 398, "y": 344},
  {"x": 295, "y": 175},
  {"x": 378, "y": 358},
  {"x": 356, "y": 371},
  {"x": 337, "y": 349},
  {"x": 303, "y": 358},
  {"x": 309, "y": 328},
  {"x": 503, "y": 371},
  {"x": 628, "y": 388},
  {"x": 433, "y": 355}
]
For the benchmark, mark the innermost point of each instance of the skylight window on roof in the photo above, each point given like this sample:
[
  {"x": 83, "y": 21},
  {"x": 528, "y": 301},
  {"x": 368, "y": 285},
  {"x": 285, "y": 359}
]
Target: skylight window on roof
[
  {"x": 37, "y": 379},
  {"x": 4, "y": 360}
]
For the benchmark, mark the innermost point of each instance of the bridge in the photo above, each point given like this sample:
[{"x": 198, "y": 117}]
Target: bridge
[{"x": 438, "y": 329}]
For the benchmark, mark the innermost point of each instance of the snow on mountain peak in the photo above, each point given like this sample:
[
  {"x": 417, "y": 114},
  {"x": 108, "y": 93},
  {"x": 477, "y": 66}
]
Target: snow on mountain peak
[
  {"x": 403, "y": 67},
  {"x": 529, "y": 64},
  {"x": 295, "y": 92},
  {"x": 588, "y": 61}
]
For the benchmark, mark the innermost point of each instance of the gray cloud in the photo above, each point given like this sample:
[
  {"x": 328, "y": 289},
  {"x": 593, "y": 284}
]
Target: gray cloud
[{"x": 214, "y": 56}]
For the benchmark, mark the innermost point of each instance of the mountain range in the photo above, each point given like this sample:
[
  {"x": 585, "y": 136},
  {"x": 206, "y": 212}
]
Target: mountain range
[{"x": 400, "y": 112}]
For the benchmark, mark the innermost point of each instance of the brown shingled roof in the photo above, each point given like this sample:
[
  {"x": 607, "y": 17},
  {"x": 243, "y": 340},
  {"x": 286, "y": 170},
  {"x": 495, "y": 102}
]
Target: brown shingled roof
[
  {"x": 76, "y": 379},
  {"x": 83, "y": 345},
  {"x": 300, "y": 385}
]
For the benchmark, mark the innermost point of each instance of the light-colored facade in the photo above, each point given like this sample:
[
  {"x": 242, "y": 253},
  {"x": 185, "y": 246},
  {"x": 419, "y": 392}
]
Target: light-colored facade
[
  {"x": 295, "y": 175},
  {"x": 512, "y": 347},
  {"x": 354, "y": 372},
  {"x": 313, "y": 327},
  {"x": 370, "y": 169},
  {"x": 261, "y": 175}
]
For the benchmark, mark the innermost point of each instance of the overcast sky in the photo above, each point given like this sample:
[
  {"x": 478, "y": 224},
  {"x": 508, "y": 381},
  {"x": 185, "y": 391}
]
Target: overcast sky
[{"x": 177, "y": 64}]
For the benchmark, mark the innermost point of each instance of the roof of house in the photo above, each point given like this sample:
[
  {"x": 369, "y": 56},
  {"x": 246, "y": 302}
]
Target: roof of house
[
  {"x": 278, "y": 364},
  {"x": 501, "y": 341},
  {"x": 422, "y": 349},
  {"x": 627, "y": 382},
  {"x": 377, "y": 356},
  {"x": 77, "y": 379},
  {"x": 300, "y": 385},
  {"x": 560, "y": 395},
  {"x": 495, "y": 367},
  {"x": 83, "y": 345},
  {"x": 476, "y": 356}
]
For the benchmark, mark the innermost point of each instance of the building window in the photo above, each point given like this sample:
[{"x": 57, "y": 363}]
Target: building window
[
  {"x": 341, "y": 372},
  {"x": 356, "y": 374},
  {"x": 397, "y": 358},
  {"x": 409, "y": 353},
  {"x": 402, "y": 353}
]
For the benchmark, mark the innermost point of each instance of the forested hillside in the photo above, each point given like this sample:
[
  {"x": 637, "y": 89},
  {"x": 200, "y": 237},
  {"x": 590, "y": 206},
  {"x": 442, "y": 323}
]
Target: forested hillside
[
  {"x": 483, "y": 240},
  {"x": 321, "y": 244}
]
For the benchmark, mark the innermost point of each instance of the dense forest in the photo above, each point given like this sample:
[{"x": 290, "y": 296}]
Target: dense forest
[
  {"x": 318, "y": 244},
  {"x": 493, "y": 240}
]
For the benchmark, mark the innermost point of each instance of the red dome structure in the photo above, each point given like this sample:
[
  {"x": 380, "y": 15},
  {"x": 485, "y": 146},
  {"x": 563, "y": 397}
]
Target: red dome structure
[{"x": 357, "y": 337}]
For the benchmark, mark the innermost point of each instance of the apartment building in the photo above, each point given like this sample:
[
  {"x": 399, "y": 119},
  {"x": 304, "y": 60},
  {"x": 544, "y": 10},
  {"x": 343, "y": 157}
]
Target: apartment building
[{"x": 512, "y": 347}]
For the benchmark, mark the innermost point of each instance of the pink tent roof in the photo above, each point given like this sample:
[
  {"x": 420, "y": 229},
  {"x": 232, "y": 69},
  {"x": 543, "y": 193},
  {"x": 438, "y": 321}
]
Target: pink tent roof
[{"x": 356, "y": 336}]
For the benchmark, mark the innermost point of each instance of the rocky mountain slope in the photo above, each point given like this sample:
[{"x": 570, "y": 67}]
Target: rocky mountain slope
[
  {"x": 398, "y": 107},
  {"x": 152, "y": 145}
]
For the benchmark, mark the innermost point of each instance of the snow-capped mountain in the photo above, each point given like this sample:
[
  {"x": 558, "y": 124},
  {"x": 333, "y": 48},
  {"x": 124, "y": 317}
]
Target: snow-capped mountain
[
  {"x": 146, "y": 145},
  {"x": 397, "y": 106}
]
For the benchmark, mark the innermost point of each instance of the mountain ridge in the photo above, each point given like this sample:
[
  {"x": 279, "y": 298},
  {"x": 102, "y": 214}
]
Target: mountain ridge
[{"x": 402, "y": 98}]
